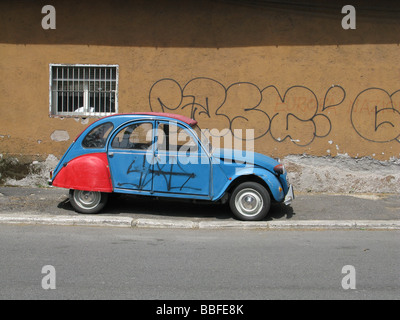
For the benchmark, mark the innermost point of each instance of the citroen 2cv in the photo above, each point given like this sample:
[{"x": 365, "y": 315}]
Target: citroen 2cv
[{"x": 166, "y": 155}]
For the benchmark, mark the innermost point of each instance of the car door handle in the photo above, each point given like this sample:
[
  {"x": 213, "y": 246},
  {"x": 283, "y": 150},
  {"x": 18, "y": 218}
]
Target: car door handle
[{"x": 111, "y": 154}]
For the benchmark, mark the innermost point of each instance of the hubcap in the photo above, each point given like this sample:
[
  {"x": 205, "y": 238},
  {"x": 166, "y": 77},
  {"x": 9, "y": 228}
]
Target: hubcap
[
  {"x": 248, "y": 202},
  {"x": 87, "y": 199}
]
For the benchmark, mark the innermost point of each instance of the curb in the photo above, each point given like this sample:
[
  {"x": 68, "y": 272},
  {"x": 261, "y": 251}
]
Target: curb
[
  {"x": 36, "y": 219},
  {"x": 111, "y": 221},
  {"x": 272, "y": 225}
]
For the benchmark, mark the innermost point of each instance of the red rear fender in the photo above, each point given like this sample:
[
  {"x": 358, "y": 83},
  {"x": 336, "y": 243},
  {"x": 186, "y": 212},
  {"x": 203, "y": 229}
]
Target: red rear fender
[{"x": 89, "y": 172}]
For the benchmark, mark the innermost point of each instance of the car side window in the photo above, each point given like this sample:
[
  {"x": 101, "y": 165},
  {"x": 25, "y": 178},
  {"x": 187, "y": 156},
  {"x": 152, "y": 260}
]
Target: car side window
[
  {"x": 97, "y": 137},
  {"x": 137, "y": 136},
  {"x": 172, "y": 137}
]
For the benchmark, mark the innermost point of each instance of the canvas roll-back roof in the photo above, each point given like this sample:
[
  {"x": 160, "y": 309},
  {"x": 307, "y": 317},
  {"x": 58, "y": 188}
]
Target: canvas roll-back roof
[{"x": 189, "y": 121}]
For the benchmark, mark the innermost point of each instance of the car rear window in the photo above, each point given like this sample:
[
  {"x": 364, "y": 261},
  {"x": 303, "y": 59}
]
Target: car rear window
[{"x": 97, "y": 137}]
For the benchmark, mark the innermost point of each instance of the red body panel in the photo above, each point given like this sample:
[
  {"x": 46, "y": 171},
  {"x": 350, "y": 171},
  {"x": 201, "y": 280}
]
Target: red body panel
[{"x": 89, "y": 172}]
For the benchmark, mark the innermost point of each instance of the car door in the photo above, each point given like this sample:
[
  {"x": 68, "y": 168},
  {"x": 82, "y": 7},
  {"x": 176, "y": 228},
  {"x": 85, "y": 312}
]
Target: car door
[
  {"x": 181, "y": 166},
  {"x": 130, "y": 152}
]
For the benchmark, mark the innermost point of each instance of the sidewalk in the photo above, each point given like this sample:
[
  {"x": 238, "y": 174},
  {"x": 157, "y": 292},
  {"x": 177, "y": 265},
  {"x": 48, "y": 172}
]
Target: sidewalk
[{"x": 308, "y": 211}]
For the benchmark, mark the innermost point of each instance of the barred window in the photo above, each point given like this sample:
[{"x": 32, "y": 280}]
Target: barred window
[{"x": 83, "y": 90}]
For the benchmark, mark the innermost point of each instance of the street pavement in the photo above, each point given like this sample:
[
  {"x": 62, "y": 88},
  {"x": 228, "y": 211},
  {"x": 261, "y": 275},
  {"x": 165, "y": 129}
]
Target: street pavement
[
  {"x": 167, "y": 264},
  {"x": 21, "y": 205}
]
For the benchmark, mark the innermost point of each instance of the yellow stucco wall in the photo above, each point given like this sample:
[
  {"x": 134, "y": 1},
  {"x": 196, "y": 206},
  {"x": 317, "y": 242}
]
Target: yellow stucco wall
[{"x": 305, "y": 85}]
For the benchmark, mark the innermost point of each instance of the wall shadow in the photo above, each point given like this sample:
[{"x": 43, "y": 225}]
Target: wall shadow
[{"x": 205, "y": 24}]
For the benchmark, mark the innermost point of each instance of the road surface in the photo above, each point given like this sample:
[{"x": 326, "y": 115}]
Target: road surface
[{"x": 127, "y": 263}]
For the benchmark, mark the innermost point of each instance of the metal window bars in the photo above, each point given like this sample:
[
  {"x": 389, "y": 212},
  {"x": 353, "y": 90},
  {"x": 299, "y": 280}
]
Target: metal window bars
[{"x": 83, "y": 90}]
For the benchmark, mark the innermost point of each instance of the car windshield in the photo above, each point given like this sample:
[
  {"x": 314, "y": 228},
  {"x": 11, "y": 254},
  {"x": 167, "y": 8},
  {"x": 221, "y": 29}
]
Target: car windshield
[{"x": 203, "y": 138}]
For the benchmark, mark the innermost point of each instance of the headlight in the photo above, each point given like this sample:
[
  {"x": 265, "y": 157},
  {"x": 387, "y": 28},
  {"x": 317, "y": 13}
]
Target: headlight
[{"x": 279, "y": 169}]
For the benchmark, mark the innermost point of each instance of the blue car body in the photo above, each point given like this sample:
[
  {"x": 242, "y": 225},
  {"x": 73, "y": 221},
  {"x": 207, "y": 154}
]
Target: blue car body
[{"x": 133, "y": 153}]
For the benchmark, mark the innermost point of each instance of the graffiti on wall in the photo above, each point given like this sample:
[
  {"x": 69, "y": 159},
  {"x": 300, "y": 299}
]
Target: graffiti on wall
[
  {"x": 380, "y": 110},
  {"x": 295, "y": 115}
]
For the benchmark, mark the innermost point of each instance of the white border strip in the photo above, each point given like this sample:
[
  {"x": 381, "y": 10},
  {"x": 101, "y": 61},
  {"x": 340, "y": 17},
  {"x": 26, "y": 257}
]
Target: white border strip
[{"x": 118, "y": 221}]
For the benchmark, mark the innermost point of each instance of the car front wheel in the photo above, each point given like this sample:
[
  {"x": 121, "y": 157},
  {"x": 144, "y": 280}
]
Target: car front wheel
[
  {"x": 87, "y": 201},
  {"x": 250, "y": 201}
]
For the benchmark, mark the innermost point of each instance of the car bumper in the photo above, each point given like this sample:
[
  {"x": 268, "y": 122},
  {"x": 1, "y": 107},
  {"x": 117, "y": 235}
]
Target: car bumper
[{"x": 289, "y": 196}]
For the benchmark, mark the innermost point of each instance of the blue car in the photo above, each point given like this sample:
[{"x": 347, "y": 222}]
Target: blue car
[{"x": 166, "y": 155}]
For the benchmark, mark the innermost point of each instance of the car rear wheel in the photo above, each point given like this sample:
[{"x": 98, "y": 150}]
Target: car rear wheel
[
  {"x": 88, "y": 201},
  {"x": 250, "y": 201}
]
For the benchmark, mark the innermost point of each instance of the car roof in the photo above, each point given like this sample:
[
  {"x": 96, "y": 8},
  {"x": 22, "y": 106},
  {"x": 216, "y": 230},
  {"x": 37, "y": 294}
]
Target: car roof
[{"x": 187, "y": 120}]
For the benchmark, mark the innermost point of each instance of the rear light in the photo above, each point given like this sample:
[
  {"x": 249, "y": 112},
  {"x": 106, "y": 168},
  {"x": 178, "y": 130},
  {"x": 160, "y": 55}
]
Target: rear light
[
  {"x": 279, "y": 169},
  {"x": 50, "y": 181}
]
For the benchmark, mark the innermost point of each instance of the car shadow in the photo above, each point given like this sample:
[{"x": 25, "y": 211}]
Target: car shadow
[
  {"x": 154, "y": 207},
  {"x": 280, "y": 211}
]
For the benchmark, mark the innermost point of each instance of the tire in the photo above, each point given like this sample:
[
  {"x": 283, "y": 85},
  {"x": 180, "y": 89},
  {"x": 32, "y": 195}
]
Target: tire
[
  {"x": 87, "y": 201},
  {"x": 250, "y": 201}
]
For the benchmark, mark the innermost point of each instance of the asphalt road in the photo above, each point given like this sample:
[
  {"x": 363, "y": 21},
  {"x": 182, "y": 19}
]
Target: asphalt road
[
  {"x": 115, "y": 263},
  {"x": 304, "y": 207}
]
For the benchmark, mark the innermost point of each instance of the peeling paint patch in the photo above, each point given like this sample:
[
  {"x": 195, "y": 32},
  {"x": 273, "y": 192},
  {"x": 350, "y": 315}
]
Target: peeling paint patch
[
  {"x": 59, "y": 135},
  {"x": 343, "y": 174},
  {"x": 82, "y": 120},
  {"x": 26, "y": 174}
]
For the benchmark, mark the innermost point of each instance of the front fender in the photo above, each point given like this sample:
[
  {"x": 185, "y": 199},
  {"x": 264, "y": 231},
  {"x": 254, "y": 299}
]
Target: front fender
[
  {"x": 270, "y": 179},
  {"x": 88, "y": 172}
]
